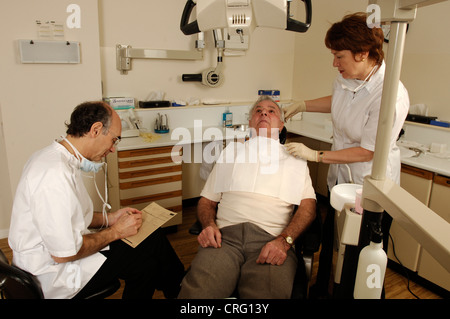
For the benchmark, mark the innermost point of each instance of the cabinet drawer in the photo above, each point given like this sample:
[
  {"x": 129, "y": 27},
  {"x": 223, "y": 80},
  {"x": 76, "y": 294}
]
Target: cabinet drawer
[
  {"x": 145, "y": 152},
  {"x": 142, "y": 176},
  {"x": 442, "y": 180},
  {"x": 149, "y": 172},
  {"x": 148, "y": 157},
  {"x": 150, "y": 181},
  {"x": 418, "y": 183},
  {"x": 150, "y": 198},
  {"x": 145, "y": 162},
  {"x": 439, "y": 201},
  {"x": 417, "y": 172}
]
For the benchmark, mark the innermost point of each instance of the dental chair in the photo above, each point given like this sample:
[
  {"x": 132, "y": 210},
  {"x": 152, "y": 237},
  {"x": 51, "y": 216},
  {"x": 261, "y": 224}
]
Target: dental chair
[
  {"x": 305, "y": 247},
  {"x": 16, "y": 283}
]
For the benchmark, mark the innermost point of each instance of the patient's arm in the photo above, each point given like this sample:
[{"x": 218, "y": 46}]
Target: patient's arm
[
  {"x": 303, "y": 217},
  {"x": 206, "y": 213},
  {"x": 275, "y": 251}
]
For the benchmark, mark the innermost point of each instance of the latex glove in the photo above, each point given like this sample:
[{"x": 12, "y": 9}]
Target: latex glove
[
  {"x": 293, "y": 109},
  {"x": 302, "y": 151}
]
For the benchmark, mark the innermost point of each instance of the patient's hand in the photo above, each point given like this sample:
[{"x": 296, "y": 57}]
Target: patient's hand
[
  {"x": 210, "y": 237},
  {"x": 274, "y": 252}
]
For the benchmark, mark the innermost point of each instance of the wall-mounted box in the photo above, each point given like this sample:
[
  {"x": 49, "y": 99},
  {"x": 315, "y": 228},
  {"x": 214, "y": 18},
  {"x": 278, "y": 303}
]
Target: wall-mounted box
[{"x": 41, "y": 51}]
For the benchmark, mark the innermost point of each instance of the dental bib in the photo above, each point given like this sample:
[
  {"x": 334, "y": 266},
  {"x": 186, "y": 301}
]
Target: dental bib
[{"x": 263, "y": 166}]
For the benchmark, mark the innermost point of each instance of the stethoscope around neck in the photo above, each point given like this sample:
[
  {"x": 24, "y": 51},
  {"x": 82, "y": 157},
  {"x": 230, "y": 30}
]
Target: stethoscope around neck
[
  {"x": 346, "y": 86},
  {"x": 105, "y": 205}
]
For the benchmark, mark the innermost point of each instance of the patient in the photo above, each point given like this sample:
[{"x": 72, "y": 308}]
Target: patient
[{"x": 246, "y": 212}]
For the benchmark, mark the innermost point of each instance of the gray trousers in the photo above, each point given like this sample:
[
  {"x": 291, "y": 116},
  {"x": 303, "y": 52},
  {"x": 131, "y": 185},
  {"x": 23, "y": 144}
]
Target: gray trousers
[{"x": 217, "y": 272}]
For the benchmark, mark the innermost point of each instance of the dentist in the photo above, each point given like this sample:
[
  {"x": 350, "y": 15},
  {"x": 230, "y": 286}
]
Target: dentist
[
  {"x": 354, "y": 106},
  {"x": 56, "y": 235}
]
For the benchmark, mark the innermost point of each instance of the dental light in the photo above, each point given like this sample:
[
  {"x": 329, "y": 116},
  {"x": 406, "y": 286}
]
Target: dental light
[{"x": 236, "y": 19}]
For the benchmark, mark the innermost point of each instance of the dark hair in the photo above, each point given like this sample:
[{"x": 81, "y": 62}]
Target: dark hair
[
  {"x": 86, "y": 114},
  {"x": 352, "y": 33}
]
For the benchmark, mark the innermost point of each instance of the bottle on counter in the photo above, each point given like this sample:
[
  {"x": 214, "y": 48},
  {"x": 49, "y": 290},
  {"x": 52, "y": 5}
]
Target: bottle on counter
[{"x": 227, "y": 118}]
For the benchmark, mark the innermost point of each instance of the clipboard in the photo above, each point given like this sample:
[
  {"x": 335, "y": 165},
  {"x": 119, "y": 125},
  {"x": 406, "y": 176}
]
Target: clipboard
[{"x": 153, "y": 217}]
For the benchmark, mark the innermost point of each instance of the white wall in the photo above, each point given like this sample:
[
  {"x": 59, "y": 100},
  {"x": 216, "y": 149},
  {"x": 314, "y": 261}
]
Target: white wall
[
  {"x": 154, "y": 24},
  {"x": 313, "y": 69},
  {"x": 36, "y": 99},
  {"x": 426, "y": 62}
]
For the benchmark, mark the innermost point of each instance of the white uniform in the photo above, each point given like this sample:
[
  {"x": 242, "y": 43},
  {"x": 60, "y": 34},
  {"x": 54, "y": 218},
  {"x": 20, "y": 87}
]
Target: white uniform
[
  {"x": 51, "y": 212},
  {"x": 355, "y": 121}
]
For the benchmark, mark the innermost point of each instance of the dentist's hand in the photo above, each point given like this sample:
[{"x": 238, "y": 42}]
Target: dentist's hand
[
  {"x": 128, "y": 223},
  {"x": 302, "y": 151},
  {"x": 114, "y": 217},
  {"x": 293, "y": 109}
]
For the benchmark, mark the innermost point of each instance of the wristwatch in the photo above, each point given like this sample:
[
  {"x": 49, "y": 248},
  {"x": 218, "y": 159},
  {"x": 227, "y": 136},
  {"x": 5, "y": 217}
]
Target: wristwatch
[
  {"x": 320, "y": 156},
  {"x": 288, "y": 238}
]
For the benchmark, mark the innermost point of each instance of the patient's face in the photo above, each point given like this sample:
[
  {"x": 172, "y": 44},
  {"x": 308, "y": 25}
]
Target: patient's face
[{"x": 266, "y": 119}]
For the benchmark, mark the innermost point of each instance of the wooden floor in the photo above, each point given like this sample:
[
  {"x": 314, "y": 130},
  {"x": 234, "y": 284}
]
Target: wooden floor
[{"x": 185, "y": 245}]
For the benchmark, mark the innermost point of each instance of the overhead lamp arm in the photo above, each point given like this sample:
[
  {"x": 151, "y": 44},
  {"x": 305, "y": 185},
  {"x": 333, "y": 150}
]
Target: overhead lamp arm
[
  {"x": 289, "y": 23},
  {"x": 188, "y": 28},
  {"x": 295, "y": 25},
  {"x": 124, "y": 54}
]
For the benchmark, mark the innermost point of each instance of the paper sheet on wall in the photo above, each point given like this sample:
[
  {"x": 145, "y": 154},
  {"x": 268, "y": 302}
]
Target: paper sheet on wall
[{"x": 153, "y": 217}]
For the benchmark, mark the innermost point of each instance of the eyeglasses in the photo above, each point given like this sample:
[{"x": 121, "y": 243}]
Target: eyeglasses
[{"x": 116, "y": 139}]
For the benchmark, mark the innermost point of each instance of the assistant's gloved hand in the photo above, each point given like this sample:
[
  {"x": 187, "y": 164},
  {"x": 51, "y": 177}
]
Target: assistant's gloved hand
[
  {"x": 293, "y": 109},
  {"x": 302, "y": 151}
]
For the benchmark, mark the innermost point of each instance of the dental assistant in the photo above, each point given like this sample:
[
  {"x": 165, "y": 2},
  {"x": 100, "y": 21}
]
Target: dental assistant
[
  {"x": 55, "y": 233},
  {"x": 354, "y": 106}
]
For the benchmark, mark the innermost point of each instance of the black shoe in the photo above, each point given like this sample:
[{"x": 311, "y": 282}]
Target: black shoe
[{"x": 318, "y": 292}]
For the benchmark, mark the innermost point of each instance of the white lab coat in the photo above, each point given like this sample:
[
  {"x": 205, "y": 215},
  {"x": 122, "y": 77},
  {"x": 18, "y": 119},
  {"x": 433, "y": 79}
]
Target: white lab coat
[
  {"x": 355, "y": 121},
  {"x": 52, "y": 210}
]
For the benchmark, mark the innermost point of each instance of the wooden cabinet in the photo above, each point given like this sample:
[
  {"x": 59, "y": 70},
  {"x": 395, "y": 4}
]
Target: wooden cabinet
[
  {"x": 418, "y": 183},
  {"x": 433, "y": 191},
  {"x": 428, "y": 267},
  {"x": 138, "y": 177}
]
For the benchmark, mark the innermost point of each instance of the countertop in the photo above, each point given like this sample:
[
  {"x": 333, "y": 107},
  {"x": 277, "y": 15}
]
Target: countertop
[
  {"x": 319, "y": 130},
  {"x": 311, "y": 129},
  {"x": 181, "y": 136},
  {"x": 430, "y": 163}
]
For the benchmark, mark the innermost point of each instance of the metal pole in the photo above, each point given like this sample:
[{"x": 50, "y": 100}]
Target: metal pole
[
  {"x": 389, "y": 99},
  {"x": 373, "y": 211}
]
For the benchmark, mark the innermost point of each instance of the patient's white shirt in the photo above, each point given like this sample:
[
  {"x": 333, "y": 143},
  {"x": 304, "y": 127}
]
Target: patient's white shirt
[{"x": 262, "y": 206}]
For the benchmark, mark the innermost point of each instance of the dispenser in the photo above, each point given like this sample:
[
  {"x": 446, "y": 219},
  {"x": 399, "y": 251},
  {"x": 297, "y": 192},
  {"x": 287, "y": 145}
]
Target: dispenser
[{"x": 371, "y": 267}]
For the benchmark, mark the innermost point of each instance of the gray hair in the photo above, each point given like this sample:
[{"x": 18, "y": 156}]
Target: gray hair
[{"x": 266, "y": 98}]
